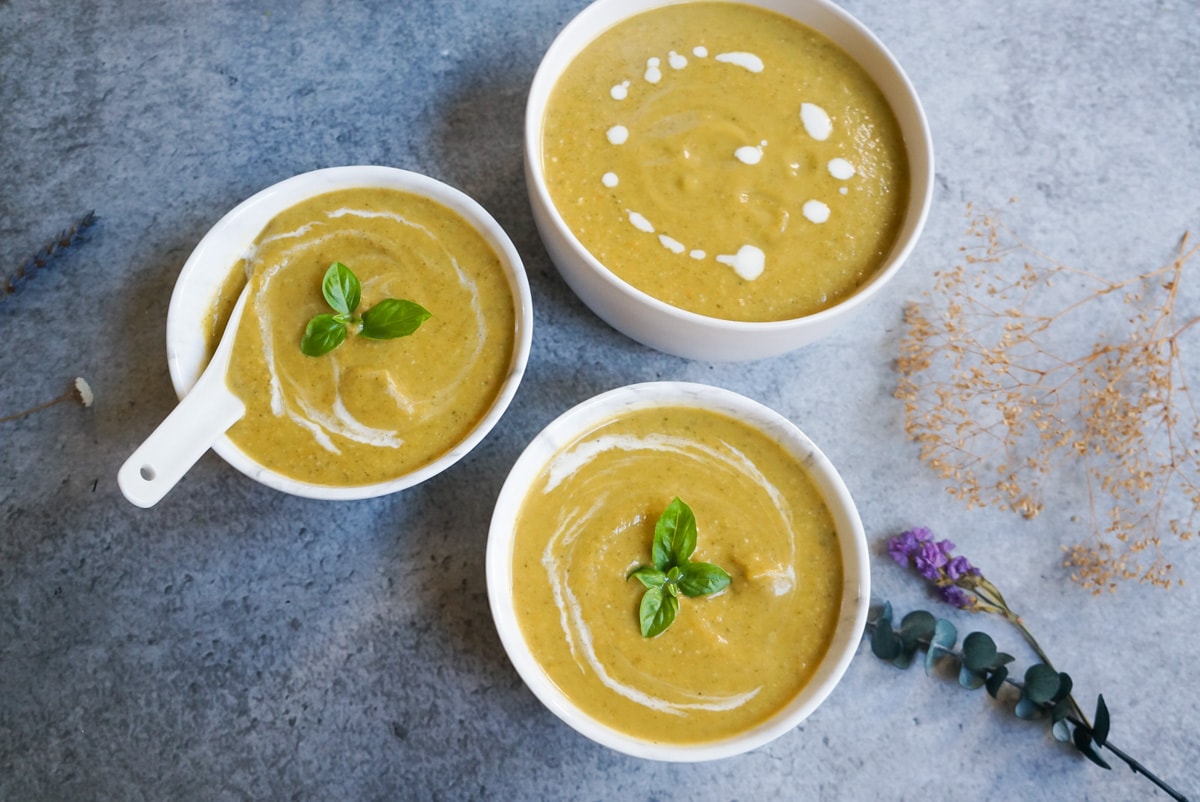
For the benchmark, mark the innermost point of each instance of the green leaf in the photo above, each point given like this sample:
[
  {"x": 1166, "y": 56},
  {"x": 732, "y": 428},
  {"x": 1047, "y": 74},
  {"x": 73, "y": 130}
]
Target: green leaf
[
  {"x": 1064, "y": 687},
  {"x": 657, "y": 611},
  {"x": 941, "y": 644},
  {"x": 1001, "y": 659},
  {"x": 701, "y": 579},
  {"x": 1041, "y": 683},
  {"x": 322, "y": 334},
  {"x": 995, "y": 680},
  {"x": 905, "y": 652},
  {"x": 918, "y": 625},
  {"x": 979, "y": 650},
  {"x": 1101, "y": 723},
  {"x": 884, "y": 643},
  {"x": 1083, "y": 742},
  {"x": 392, "y": 318},
  {"x": 1027, "y": 709},
  {"x": 341, "y": 289},
  {"x": 674, "y": 535},
  {"x": 648, "y": 575},
  {"x": 969, "y": 678},
  {"x": 1061, "y": 731}
]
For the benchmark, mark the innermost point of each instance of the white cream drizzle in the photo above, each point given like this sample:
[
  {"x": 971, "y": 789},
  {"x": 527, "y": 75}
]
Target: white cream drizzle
[
  {"x": 816, "y": 211},
  {"x": 747, "y": 61},
  {"x": 816, "y": 121},
  {"x": 653, "y": 72},
  {"x": 841, "y": 169},
  {"x": 750, "y": 154},
  {"x": 339, "y": 420},
  {"x": 579, "y": 520},
  {"x": 749, "y": 262}
]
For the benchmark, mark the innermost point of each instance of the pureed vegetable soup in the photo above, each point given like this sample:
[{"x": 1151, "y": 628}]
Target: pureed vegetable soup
[
  {"x": 370, "y": 410},
  {"x": 728, "y": 661},
  {"x": 727, "y": 160}
]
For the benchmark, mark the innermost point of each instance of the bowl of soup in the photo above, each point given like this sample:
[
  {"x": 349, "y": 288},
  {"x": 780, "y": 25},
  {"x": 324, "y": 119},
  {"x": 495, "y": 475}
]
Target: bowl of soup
[
  {"x": 583, "y": 514},
  {"x": 372, "y": 415},
  {"x": 725, "y": 180}
]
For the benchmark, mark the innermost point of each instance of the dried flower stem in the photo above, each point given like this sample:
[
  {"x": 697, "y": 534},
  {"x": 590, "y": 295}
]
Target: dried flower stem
[
  {"x": 30, "y": 267},
  {"x": 996, "y": 397},
  {"x": 79, "y": 391}
]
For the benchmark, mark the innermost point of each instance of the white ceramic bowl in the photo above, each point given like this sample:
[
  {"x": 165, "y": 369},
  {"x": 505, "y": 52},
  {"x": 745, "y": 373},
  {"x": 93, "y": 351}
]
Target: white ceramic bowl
[
  {"x": 582, "y": 418},
  {"x": 683, "y": 333},
  {"x": 210, "y": 263}
]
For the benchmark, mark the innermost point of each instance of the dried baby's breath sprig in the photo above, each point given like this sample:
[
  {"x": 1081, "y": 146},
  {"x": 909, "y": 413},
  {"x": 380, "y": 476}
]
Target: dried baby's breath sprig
[
  {"x": 999, "y": 390},
  {"x": 78, "y": 391},
  {"x": 31, "y": 266}
]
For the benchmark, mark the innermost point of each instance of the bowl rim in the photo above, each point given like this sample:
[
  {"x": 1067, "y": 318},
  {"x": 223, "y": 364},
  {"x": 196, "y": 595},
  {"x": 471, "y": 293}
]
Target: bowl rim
[
  {"x": 601, "y": 15},
  {"x": 210, "y": 262},
  {"x": 582, "y": 417}
]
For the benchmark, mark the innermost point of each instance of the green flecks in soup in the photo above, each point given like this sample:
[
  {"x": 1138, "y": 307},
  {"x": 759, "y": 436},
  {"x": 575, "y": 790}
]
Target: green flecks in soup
[
  {"x": 727, "y": 160},
  {"x": 371, "y": 410},
  {"x": 731, "y": 659}
]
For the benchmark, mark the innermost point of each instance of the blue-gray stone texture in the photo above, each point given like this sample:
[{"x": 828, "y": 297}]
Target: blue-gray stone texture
[{"x": 234, "y": 643}]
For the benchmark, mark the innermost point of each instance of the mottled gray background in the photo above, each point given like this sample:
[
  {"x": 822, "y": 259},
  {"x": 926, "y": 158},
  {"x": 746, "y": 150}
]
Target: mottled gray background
[{"x": 236, "y": 643}]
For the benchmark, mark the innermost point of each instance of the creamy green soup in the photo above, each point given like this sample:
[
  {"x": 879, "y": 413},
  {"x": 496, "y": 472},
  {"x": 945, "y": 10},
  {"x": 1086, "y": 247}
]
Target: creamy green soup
[
  {"x": 729, "y": 661},
  {"x": 370, "y": 410},
  {"x": 726, "y": 160}
]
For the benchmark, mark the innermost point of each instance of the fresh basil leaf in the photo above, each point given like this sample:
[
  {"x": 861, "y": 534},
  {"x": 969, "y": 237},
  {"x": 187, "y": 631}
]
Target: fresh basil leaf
[
  {"x": 322, "y": 334},
  {"x": 648, "y": 575},
  {"x": 701, "y": 579},
  {"x": 674, "y": 535},
  {"x": 341, "y": 289},
  {"x": 657, "y": 611},
  {"x": 392, "y": 318}
]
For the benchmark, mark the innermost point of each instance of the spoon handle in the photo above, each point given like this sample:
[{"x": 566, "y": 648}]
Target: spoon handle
[{"x": 204, "y": 414}]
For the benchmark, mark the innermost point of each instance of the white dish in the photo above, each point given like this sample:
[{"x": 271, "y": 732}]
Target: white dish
[
  {"x": 582, "y": 418},
  {"x": 683, "y": 333},
  {"x": 210, "y": 263}
]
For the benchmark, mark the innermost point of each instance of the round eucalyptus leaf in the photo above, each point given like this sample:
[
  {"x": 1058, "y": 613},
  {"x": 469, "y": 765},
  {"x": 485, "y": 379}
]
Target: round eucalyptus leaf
[
  {"x": 979, "y": 650},
  {"x": 968, "y": 678},
  {"x": 941, "y": 643},
  {"x": 1041, "y": 683},
  {"x": 884, "y": 643}
]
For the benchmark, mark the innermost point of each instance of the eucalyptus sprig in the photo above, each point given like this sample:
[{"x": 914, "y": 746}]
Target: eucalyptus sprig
[
  {"x": 386, "y": 320},
  {"x": 1045, "y": 693},
  {"x": 673, "y": 572}
]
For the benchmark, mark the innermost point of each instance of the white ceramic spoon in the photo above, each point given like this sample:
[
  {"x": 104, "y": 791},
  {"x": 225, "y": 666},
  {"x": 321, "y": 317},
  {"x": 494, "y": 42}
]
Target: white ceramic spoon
[{"x": 205, "y": 413}]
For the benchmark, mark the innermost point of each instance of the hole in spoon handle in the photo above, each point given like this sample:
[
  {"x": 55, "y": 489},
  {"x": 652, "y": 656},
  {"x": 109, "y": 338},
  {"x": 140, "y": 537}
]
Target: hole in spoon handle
[{"x": 180, "y": 440}]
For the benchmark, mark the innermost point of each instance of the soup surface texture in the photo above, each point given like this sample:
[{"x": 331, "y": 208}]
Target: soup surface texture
[
  {"x": 727, "y": 160},
  {"x": 370, "y": 410},
  {"x": 729, "y": 661}
]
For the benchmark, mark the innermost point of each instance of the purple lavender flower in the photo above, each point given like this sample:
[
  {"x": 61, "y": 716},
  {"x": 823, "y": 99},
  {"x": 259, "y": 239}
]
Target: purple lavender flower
[
  {"x": 930, "y": 558},
  {"x": 904, "y": 545},
  {"x": 959, "y": 567},
  {"x": 953, "y": 594}
]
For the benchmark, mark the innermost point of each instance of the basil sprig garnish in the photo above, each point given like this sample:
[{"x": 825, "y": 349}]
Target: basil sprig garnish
[
  {"x": 386, "y": 320},
  {"x": 673, "y": 572}
]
